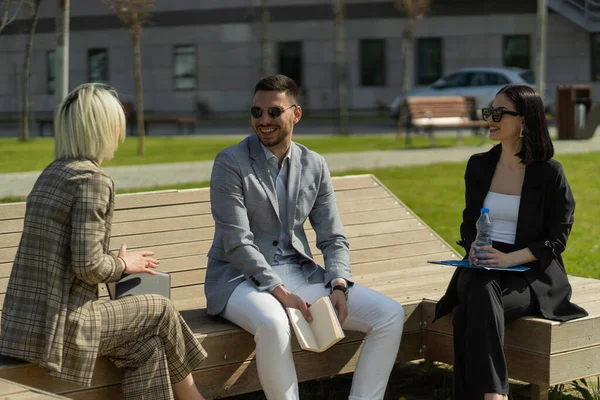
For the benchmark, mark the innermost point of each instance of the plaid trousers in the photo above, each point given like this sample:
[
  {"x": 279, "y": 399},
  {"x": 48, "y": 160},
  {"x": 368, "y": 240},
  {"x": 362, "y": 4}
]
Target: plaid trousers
[{"x": 148, "y": 338}]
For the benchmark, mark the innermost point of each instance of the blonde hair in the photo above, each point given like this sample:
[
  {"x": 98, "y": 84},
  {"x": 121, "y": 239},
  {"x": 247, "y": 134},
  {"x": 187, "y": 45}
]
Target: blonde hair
[{"x": 90, "y": 123}]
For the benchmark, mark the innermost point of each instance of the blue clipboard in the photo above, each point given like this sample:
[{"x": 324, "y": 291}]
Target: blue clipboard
[{"x": 465, "y": 264}]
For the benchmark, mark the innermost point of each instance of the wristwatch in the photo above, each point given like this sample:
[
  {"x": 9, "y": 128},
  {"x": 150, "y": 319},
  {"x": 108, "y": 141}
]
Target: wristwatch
[{"x": 342, "y": 288}]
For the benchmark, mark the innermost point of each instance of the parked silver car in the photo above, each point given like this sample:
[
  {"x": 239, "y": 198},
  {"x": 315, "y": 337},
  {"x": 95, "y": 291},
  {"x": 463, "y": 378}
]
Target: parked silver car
[{"x": 481, "y": 83}]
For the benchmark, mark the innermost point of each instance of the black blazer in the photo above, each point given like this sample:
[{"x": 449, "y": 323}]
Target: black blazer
[{"x": 545, "y": 219}]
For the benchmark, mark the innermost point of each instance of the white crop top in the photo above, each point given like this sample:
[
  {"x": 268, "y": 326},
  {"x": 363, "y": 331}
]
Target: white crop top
[{"x": 504, "y": 214}]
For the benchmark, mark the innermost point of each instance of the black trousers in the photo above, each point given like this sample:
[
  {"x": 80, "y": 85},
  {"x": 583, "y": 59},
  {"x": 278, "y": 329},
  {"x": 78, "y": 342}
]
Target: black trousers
[{"x": 488, "y": 301}]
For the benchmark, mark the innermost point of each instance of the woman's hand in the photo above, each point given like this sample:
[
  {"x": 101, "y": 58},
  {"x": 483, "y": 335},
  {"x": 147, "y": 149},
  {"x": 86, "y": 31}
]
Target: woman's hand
[
  {"x": 490, "y": 257},
  {"x": 137, "y": 262}
]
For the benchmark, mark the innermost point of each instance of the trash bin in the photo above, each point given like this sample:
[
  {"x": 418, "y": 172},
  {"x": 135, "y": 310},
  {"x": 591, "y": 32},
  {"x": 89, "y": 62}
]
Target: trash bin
[{"x": 573, "y": 103}]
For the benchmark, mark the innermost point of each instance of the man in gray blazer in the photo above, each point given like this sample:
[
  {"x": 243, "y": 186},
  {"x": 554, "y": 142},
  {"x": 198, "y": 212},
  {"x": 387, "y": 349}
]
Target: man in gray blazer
[{"x": 262, "y": 191}]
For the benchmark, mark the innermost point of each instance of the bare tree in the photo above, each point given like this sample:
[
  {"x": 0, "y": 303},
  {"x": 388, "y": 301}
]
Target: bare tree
[
  {"x": 134, "y": 14},
  {"x": 9, "y": 9},
  {"x": 61, "y": 60},
  {"x": 26, "y": 70},
  {"x": 265, "y": 38},
  {"x": 414, "y": 10},
  {"x": 339, "y": 13}
]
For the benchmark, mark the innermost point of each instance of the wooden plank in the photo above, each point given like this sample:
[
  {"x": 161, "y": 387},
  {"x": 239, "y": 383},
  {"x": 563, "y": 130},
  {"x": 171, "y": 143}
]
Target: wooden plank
[
  {"x": 527, "y": 334},
  {"x": 353, "y": 182},
  {"x": 10, "y": 239},
  {"x": 221, "y": 354},
  {"x": 11, "y": 225},
  {"x": 5, "y": 269},
  {"x": 571, "y": 365},
  {"x": 201, "y": 238},
  {"x": 383, "y": 203},
  {"x": 167, "y": 211},
  {"x": 8, "y": 254},
  {"x": 161, "y": 198},
  {"x": 379, "y": 227},
  {"x": 361, "y": 194},
  {"x": 398, "y": 251},
  {"x": 35, "y": 376},
  {"x": 234, "y": 379},
  {"x": 12, "y": 210},
  {"x": 162, "y": 225},
  {"x": 7, "y": 387},
  {"x": 523, "y": 366},
  {"x": 367, "y": 217}
]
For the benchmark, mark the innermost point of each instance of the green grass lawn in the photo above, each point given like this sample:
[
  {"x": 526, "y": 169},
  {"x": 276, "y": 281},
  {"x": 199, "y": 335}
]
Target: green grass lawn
[
  {"x": 436, "y": 194},
  {"x": 35, "y": 154}
]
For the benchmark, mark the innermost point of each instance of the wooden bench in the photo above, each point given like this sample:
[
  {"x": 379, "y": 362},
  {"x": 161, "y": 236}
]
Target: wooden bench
[
  {"x": 444, "y": 112},
  {"x": 14, "y": 391},
  {"x": 390, "y": 248},
  {"x": 180, "y": 121}
]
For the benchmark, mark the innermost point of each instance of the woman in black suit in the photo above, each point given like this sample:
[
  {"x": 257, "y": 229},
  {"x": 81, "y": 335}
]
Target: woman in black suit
[{"x": 531, "y": 208}]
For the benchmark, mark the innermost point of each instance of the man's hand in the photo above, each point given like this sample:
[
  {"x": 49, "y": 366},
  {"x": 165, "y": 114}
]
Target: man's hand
[
  {"x": 338, "y": 300},
  {"x": 289, "y": 299}
]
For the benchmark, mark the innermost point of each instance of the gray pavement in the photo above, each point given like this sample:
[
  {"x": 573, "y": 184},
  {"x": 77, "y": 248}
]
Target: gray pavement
[{"x": 147, "y": 176}]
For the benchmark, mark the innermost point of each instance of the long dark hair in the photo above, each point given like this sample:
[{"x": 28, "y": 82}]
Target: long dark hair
[{"x": 537, "y": 145}]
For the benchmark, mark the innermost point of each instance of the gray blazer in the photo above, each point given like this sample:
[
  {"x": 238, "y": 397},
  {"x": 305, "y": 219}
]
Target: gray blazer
[{"x": 244, "y": 207}]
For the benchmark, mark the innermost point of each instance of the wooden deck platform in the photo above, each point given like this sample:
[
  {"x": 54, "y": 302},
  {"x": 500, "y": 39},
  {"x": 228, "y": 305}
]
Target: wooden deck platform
[
  {"x": 14, "y": 391},
  {"x": 390, "y": 247}
]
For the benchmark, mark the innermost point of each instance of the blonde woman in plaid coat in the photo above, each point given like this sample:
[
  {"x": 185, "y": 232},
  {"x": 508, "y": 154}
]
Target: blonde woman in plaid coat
[{"x": 51, "y": 314}]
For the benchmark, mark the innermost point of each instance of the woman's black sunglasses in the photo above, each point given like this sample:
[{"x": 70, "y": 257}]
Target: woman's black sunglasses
[
  {"x": 496, "y": 113},
  {"x": 274, "y": 112}
]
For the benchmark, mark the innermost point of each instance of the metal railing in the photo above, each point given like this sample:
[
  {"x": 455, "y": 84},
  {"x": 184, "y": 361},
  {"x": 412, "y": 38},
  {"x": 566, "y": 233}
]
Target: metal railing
[{"x": 589, "y": 8}]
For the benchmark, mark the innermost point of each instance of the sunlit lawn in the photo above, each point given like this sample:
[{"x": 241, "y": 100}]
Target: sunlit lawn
[
  {"x": 435, "y": 193},
  {"x": 34, "y": 155}
]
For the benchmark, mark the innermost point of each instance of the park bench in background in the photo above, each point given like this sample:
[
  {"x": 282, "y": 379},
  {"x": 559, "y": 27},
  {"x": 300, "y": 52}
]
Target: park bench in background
[
  {"x": 432, "y": 112},
  {"x": 152, "y": 118},
  {"x": 390, "y": 249}
]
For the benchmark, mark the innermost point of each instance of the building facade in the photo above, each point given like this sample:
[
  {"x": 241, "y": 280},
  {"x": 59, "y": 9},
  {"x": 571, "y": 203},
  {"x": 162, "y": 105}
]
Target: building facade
[{"x": 206, "y": 54}]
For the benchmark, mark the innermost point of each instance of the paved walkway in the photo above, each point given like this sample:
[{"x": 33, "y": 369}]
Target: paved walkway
[{"x": 147, "y": 176}]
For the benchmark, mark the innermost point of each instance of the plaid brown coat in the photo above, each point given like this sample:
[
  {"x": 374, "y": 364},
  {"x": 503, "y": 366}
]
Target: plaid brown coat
[{"x": 50, "y": 314}]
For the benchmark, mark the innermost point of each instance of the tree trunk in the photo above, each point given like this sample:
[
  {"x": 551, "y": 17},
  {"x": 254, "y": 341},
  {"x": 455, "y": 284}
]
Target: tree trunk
[
  {"x": 408, "y": 45},
  {"x": 26, "y": 69},
  {"x": 136, "y": 33},
  {"x": 340, "y": 61},
  {"x": 265, "y": 21},
  {"x": 5, "y": 19},
  {"x": 61, "y": 60}
]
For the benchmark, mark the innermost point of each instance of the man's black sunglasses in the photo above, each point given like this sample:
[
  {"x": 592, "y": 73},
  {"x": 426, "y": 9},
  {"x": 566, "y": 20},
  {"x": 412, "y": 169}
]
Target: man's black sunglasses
[
  {"x": 274, "y": 112},
  {"x": 496, "y": 113}
]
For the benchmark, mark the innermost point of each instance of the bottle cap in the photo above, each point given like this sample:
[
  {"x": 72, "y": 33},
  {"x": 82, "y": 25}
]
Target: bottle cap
[{"x": 485, "y": 210}]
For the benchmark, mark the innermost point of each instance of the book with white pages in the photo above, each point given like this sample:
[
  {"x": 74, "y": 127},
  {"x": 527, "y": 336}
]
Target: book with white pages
[{"x": 322, "y": 332}]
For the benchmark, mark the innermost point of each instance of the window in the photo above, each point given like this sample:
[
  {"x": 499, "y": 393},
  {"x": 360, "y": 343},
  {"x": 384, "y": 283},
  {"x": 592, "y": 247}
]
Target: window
[
  {"x": 429, "y": 60},
  {"x": 459, "y": 79},
  {"x": 184, "y": 67},
  {"x": 372, "y": 62},
  {"x": 488, "y": 79},
  {"x": 497, "y": 79},
  {"x": 290, "y": 60},
  {"x": 50, "y": 75},
  {"x": 516, "y": 51},
  {"x": 97, "y": 65},
  {"x": 595, "y": 56}
]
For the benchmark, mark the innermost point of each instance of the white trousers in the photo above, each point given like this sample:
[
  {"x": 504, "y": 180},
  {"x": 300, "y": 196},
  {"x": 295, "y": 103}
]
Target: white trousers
[{"x": 261, "y": 314}]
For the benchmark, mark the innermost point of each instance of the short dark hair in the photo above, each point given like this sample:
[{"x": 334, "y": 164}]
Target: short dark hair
[
  {"x": 279, "y": 83},
  {"x": 537, "y": 145}
]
